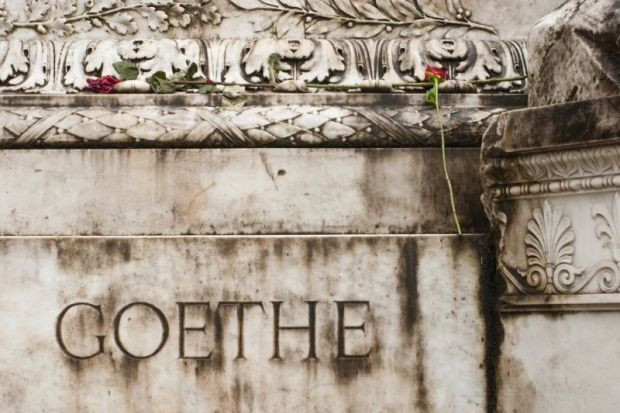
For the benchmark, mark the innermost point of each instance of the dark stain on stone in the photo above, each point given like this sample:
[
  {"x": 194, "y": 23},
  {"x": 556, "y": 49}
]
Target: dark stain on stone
[
  {"x": 348, "y": 369},
  {"x": 491, "y": 286},
  {"x": 122, "y": 247},
  {"x": 311, "y": 245},
  {"x": 408, "y": 286},
  {"x": 412, "y": 316},
  {"x": 226, "y": 247},
  {"x": 75, "y": 365},
  {"x": 129, "y": 368},
  {"x": 217, "y": 357},
  {"x": 278, "y": 247},
  {"x": 85, "y": 258},
  {"x": 421, "y": 392}
]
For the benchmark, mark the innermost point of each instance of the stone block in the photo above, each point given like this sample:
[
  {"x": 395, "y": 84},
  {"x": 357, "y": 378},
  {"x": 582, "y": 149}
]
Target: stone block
[{"x": 383, "y": 324}]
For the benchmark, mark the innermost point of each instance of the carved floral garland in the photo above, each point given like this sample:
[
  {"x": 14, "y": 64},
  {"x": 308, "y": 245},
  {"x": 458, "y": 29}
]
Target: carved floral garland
[
  {"x": 365, "y": 18},
  {"x": 413, "y": 18},
  {"x": 69, "y": 16}
]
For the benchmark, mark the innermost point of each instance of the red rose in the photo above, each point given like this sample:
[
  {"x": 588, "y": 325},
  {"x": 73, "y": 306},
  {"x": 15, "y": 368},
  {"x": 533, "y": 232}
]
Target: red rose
[
  {"x": 440, "y": 72},
  {"x": 105, "y": 84}
]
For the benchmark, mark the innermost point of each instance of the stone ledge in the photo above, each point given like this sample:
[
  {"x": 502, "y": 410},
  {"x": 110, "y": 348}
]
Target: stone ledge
[
  {"x": 559, "y": 303},
  {"x": 513, "y": 101}
]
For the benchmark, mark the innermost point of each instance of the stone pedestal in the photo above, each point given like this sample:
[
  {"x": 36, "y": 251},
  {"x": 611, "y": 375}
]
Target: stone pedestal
[
  {"x": 228, "y": 248},
  {"x": 243, "y": 279},
  {"x": 551, "y": 188}
]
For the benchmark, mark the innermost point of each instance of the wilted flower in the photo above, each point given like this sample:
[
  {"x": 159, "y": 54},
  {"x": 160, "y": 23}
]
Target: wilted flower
[
  {"x": 105, "y": 84},
  {"x": 440, "y": 72}
]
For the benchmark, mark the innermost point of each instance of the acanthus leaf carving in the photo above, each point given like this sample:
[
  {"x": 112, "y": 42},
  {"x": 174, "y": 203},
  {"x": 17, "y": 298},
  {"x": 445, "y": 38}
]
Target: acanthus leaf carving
[{"x": 244, "y": 61}]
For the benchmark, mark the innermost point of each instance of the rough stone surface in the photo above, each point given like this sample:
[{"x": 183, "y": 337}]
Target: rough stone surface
[
  {"x": 575, "y": 53},
  {"x": 235, "y": 191},
  {"x": 424, "y": 325}
]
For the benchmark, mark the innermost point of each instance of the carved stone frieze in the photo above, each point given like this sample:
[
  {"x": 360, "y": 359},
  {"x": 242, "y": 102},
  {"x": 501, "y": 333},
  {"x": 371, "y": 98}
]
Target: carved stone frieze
[
  {"x": 281, "y": 126},
  {"x": 64, "y": 66}
]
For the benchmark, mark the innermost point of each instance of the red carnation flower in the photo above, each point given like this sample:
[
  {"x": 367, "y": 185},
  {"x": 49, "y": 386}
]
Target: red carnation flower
[
  {"x": 440, "y": 72},
  {"x": 105, "y": 84}
]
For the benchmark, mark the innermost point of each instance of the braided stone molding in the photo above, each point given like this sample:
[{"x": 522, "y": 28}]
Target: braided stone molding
[
  {"x": 47, "y": 66},
  {"x": 252, "y": 126}
]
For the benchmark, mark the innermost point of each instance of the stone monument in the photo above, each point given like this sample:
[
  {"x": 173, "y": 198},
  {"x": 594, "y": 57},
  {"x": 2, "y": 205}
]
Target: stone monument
[{"x": 235, "y": 248}]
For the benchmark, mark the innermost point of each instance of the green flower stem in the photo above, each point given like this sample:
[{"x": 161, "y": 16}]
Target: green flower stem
[
  {"x": 345, "y": 86},
  {"x": 443, "y": 157}
]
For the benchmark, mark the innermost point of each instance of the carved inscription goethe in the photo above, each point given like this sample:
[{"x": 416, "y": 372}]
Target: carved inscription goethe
[
  {"x": 422, "y": 322},
  {"x": 205, "y": 318}
]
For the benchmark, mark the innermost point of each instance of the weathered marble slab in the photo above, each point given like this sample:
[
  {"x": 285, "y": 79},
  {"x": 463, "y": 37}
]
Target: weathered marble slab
[
  {"x": 242, "y": 191},
  {"x": 417, "y": 297}
]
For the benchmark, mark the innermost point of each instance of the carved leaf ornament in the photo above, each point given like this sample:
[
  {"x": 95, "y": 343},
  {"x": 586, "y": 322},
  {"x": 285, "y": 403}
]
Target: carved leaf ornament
[{"x": 550, "y": 251}]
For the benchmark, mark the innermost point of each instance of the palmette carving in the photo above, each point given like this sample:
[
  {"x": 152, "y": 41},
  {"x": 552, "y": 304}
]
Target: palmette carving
[
  {"x": 64, "y": 66},
  {"x": 550, "y": 252}
]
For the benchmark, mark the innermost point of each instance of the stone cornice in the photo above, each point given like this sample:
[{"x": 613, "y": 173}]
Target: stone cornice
[{"x": 559, "y": 303}]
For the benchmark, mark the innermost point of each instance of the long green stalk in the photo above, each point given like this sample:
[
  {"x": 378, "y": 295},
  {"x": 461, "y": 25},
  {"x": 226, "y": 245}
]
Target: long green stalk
[{"x": 443, "y": 157}]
